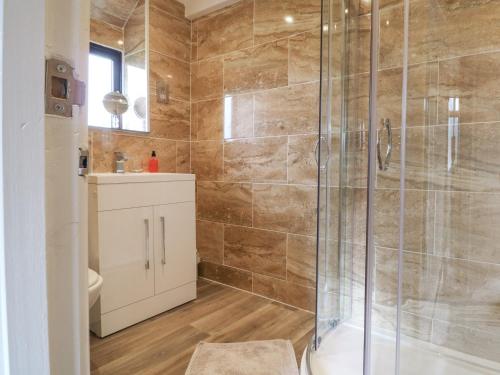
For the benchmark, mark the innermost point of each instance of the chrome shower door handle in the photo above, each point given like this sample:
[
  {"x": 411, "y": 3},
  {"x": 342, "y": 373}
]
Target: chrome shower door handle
[
  {"x": 384, "y": 164},
  {"x": 317, "y": 151},
  {"x": 146, "y": 222},
  {"x": 164, "y": 255}
]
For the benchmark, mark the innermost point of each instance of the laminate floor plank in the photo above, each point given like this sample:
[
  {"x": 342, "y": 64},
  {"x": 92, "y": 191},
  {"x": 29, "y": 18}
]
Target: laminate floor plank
[{"x": 164, "y": 344}]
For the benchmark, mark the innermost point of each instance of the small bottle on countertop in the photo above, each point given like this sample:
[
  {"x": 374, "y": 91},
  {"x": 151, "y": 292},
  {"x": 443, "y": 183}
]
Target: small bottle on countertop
[{"x": 153, "y": 163}]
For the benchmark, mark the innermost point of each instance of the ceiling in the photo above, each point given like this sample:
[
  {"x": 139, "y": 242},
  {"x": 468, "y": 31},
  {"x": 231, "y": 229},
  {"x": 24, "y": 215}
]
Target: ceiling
[
  {"x": 117, "y": 12},
  {"x": 196, "y": 8},
  {"x": 114, "y": 12}
]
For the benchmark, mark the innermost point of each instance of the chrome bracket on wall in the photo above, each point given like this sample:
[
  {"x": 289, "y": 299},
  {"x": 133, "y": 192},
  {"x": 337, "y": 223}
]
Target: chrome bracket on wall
[
  {"x": 384, "y": 164},
  {"x": 62, "y": 89}
]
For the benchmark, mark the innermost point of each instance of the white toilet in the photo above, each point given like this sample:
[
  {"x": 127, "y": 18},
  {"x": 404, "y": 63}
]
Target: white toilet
[{"x": 95, "y": 285}]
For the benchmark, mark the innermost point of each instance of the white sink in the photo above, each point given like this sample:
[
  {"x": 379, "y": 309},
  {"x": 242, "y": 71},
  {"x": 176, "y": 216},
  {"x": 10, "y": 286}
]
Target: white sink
[{"x": 126, "y": 178}]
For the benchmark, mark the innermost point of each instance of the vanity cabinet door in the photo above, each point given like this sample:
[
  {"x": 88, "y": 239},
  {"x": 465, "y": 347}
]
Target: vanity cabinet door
[
  {"x": 175, "y": 245},
  {"x": 126, "y": 256}
]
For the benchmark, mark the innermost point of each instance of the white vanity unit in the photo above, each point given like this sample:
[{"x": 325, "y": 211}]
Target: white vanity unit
[{"x": 142, "y": 241}]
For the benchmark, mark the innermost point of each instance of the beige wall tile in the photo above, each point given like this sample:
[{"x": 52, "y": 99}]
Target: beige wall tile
[
  {"x": 302, "y": 167},
  {"x": 231, "y": 117},
  {"x": 257, "y": 159},
  {"x": 238, "y": 116},
  {"x": 465, "y": 157},
  {"x": 166, "y": 153},
  {"x": 279, "y": 19},
  {"x": 422, "y": 93},
  {"x": 172, "y": 71},
  {"x": 115, "y": 12},
  {"x": 421, "y": 103},
  {"x": 225, "y": 31},
  {"x": 207, "y": 120},
  {"x": 206, "y": 80},
  {"x": 301, "y": 260},
  {"x": 452, "y": 290},
  {"x": 262, "y": 67},
  {"x": 207, "y": 160},
  {"x": 287, "y": 110},
  {"x": 484, "y": 344},
  {"x": 169, "y": 35},
  {"x": 105, "y": 143},
  {"x": 358, "y": 46},
  {"x": 135, "y": 31},
  {"x": 255, "y": 250},
  {"x": 106, "y": 34},
  {"x": 194, "y": 41},
  {"x": 285, "y": 208},
  {"x": 210, "y": 241},
  {"x": 457, "y": 20},
  {"x": 466, "y": 226},
  {"x": 183, "y": 159},
  {"x": 227, "y": 275},
  {"x": 419, "y": 214},
  {"x": 225, "y": 202},
  {"x": 304, "y": 62},
  {"x": 285, "y": 292},
  {"x": 171, "y": 120},
  {"x": 391, "y": 37},
  {"x": 468, "y": 89},
  {"x": 173, "y": 7}
]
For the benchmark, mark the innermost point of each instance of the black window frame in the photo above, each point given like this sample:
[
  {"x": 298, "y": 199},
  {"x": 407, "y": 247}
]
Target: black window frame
[{"x": 116, "y": 57}]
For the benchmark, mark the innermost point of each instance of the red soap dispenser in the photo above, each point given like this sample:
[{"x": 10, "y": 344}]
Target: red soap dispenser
[{"x": 153, "y": 163}]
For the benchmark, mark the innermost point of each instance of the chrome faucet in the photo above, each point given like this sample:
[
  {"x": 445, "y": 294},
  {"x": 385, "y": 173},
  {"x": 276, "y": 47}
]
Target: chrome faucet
[{"x": 120, "y": 159}]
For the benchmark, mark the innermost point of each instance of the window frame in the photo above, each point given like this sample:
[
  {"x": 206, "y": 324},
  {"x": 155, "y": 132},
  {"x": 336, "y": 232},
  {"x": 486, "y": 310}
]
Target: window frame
[{"x": 116, "y": 56}]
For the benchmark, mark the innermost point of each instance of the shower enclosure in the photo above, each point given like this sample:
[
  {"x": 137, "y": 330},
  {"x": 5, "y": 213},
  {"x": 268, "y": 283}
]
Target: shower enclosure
[{"x": 409, "y": 189}]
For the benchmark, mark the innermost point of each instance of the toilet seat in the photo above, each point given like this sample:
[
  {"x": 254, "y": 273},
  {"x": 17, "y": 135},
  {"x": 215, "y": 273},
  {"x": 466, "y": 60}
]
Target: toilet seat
[{"x": 93, "y": 278}]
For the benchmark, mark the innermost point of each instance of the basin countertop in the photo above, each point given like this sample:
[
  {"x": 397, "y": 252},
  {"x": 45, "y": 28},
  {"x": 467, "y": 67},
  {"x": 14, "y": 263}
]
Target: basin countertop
[{"x": 127, "y": 178}]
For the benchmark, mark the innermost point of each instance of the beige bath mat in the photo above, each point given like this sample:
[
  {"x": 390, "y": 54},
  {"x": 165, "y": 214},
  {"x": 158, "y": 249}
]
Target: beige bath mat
[{"x": 273, "y": 357}]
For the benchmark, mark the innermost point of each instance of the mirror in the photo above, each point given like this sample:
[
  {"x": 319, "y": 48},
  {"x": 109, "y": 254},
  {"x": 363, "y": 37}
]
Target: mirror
[{"x": 117, "y": 63}]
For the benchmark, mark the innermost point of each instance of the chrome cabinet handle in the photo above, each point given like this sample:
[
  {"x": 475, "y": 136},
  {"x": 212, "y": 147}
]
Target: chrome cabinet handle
[
  {"x": 146, "y": 222},
  {"x": 164, "y": 256},
  {"x": 384, "y": 164}
]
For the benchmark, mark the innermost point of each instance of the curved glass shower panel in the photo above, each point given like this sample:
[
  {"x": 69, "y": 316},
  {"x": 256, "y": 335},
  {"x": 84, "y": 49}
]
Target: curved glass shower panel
[
  {"x": 431, "y": 206},
  {"x": 342, "y": 170},
  {"x": 451, "y": 250}
]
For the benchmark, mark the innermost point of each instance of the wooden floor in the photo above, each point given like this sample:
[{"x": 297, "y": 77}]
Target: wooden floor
[{"x": 164, "y": 344}]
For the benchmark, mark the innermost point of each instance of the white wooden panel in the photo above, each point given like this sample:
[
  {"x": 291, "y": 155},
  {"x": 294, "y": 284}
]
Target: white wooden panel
[
  {"x": 24, "y": 326},
  {"x": 137, "y": 312},
  {"x": 117, "y": 196},
  {"x": 175, "y": 244},
  {"x": 125, "y": 247}
]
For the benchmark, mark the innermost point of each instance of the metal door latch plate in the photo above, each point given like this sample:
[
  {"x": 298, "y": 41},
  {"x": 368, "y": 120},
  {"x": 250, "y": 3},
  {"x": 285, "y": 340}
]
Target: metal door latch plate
[{"x": 62, "y": 89}]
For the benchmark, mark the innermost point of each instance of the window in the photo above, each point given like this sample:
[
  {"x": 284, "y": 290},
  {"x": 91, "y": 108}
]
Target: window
[{"x": 105, "y": 75}]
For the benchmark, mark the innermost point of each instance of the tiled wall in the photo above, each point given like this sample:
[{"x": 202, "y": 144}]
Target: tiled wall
[
  {"x": 169, "y": 51},
  {"x": 255, "y": 104},
  {"x": 451, "y": 269}
]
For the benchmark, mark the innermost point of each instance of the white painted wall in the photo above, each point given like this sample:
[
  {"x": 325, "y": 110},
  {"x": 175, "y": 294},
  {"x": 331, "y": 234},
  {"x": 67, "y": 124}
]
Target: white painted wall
[
  {"x": 23, "y": 293},
  {"x": 196, "y": 8},
  {"x": 67, "y": 37}
]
